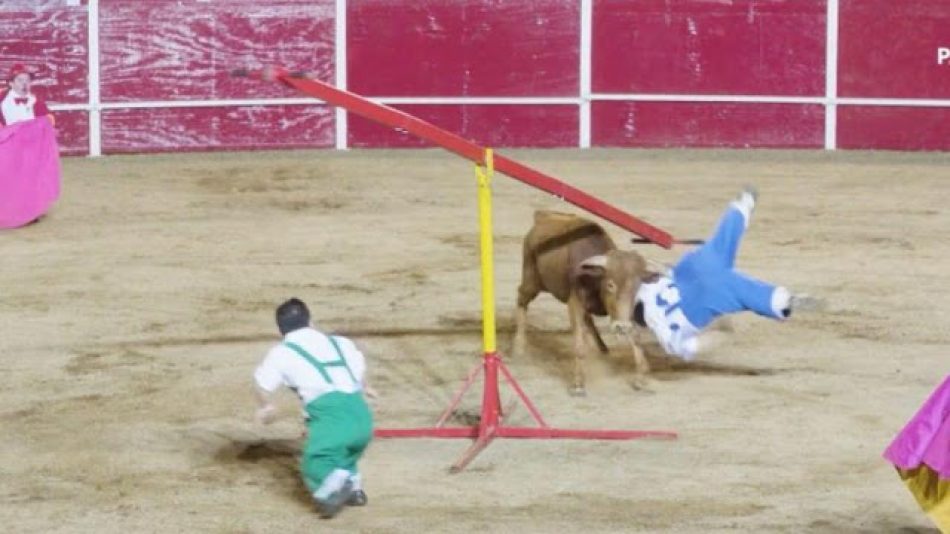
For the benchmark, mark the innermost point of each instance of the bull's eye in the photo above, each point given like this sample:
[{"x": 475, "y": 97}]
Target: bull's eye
[{"x": 611, "y": 286}]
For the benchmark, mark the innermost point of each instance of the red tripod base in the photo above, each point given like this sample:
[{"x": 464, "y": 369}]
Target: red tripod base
[{"x": 491, "y": 425}]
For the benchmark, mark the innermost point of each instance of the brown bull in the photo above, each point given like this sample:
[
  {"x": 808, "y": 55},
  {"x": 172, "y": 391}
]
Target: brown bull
[{"x": 576, "y": 261}]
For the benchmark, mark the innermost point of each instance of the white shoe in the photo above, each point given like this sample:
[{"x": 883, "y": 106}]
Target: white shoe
[{"x": 749, "y": 195}]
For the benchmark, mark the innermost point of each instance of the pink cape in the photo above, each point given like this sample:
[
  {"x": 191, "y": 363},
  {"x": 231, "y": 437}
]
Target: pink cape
[
  {"x": 926, "y": 438},
  {"x": 29, "y": 171}
]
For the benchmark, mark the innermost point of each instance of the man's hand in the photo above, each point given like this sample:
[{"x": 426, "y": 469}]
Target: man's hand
[
  {"x": 266, "y": 414},
  {"x": 368, "y": 390},
  {"x": 370, "y": 393}
]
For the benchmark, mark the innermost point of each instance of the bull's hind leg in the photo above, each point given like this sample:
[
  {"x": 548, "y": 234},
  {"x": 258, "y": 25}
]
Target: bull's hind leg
[{"x": 527, "y": 291}]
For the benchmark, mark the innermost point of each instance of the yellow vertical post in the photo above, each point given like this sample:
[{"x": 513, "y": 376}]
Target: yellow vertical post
[{"x": 484, "y": 175}]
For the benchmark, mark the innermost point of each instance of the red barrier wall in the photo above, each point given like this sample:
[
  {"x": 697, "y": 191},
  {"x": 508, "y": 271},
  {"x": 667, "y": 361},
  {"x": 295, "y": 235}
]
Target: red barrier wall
[
  {"x": 167, "y": 49},
  {"x": 674, "y": 124},
  {"x": 653, "y": 73},
  {"x": 52, "y": 38},
  {"x": 470, "y": 48},
  {"x": 243, "y": 127},
  {"x": 742, "y": 47},
  {"x": 488, "y": 125},
  {"x": 889, "y": 50}
]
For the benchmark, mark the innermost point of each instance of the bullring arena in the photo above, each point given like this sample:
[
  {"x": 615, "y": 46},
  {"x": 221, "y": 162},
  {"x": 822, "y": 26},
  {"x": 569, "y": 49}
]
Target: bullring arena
[{"x": 136, "y": 310}]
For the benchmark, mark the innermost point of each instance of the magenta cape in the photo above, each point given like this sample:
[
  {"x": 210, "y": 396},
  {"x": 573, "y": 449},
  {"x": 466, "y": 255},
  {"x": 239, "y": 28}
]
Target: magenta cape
[{"x": 29, "y": 171}]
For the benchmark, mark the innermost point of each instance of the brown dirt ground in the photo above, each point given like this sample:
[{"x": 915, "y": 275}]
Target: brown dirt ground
[{"x": 135, "y": 313}]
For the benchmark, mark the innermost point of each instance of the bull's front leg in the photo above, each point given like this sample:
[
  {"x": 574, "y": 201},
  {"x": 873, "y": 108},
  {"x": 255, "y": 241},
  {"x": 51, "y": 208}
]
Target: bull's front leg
[
  {"x": 642, "y": 366},
  {"x": 581, "y": 346}
]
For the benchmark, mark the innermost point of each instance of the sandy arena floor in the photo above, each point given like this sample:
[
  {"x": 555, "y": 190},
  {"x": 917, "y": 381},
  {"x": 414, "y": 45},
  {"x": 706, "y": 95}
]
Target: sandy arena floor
[{"x": 134, "y": 315}]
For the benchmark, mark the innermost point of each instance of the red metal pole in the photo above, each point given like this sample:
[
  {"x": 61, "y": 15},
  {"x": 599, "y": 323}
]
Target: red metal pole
[
  {"x": 428, "y": 432},
  {"x": 524, "y": 398},
  {"x": 472, "y": 452},
  {"x": 560, "y": 433},
  {"x": 491, "y": 400},
  {"x": 458, "y": 396},
  {"x": 491, "y": 408}
]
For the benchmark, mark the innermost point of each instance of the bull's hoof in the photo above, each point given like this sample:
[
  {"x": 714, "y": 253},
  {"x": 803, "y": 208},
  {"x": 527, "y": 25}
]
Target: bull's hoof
[{"x": 578, "y": 391}]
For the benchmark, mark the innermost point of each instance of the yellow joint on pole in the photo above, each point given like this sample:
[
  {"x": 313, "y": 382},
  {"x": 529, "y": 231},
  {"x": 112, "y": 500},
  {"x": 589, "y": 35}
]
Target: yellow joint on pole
[{"x": 484, "y": 175}]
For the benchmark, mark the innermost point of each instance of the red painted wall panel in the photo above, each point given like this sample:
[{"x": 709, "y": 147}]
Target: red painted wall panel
[
  {"x": 676, "y": 124},
  {"x": 889, "y": 48},
  {"x": 175, "y": 129},
  {"x": 72, "y": 132},
  {"x": 471, "y": 48},
  {"x": 490, "y": 125},
  {"x": 893, "y": 128},
  {"x": 185, "y": 49},
  {"x": 772, "y": 47},
  {"x": 50, "y": 37}
]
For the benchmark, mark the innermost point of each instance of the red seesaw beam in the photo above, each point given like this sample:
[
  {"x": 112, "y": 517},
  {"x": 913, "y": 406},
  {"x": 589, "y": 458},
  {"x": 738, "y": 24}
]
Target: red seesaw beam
[{"x": 461, "y": 146}]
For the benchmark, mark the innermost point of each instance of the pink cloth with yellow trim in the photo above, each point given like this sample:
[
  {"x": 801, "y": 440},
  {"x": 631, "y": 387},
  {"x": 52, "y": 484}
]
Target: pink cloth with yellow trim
[
  {"x": 921, "y": 453},
  {"x": 926, "y": 438},
  {"x": 29, "y": 171}
]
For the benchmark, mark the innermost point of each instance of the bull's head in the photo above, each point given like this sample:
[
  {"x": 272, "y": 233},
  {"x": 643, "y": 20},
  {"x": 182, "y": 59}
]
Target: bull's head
[{"x": 614, "y": 277}]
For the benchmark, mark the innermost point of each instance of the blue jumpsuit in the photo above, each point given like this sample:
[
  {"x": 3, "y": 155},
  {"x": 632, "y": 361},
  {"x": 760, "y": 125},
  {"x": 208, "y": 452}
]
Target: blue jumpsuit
[{"x": 705, "y": 285}]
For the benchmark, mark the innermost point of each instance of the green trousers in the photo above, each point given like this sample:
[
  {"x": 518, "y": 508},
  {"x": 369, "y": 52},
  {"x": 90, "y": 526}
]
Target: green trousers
[{"x": 339, "y": 430}]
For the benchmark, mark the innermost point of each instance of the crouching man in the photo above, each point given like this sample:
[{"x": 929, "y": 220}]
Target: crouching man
[{"x": 327, "y": 374}]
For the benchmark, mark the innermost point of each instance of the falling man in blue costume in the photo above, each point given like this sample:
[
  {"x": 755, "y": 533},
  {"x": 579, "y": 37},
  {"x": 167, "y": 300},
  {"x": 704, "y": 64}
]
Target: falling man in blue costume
[
  {"x": 328, "y": 374},
  {"x": 677, "y": 305}
]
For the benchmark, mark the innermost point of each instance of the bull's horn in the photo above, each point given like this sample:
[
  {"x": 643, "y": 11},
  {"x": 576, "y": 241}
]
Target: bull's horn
[{"x": 595, "y": 261}]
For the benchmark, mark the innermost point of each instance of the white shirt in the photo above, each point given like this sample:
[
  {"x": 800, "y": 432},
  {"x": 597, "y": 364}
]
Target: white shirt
[
  {"x": 665, "y": 318},
  {"x": 285, "y": 367},
  {"x": 13, "y": 112}
]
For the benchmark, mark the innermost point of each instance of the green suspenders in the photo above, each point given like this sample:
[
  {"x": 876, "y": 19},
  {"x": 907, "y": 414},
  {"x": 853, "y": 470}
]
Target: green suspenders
[{"x": 321, "y": 366}]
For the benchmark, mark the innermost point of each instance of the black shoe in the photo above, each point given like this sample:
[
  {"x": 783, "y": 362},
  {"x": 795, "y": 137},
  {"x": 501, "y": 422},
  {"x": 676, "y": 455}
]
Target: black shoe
[
  {"x": 334, "y": 503},
  {"x": 357, "y": 498}
]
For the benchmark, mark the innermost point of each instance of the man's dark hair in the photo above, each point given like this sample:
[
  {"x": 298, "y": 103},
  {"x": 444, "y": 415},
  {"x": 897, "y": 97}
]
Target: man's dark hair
[{"x": 292, "y": 315}]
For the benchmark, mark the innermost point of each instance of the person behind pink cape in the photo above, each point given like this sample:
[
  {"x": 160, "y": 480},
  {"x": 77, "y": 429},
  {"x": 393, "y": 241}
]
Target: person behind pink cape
[
  {"x": 19, "y": 102},
  {"x": 921, "y": 454},
  {"x": 29, "y": 171}
]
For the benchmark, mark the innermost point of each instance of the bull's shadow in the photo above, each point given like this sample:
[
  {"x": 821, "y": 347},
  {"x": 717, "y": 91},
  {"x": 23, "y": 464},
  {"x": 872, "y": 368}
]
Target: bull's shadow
[{"x": 553, "y": 351}]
